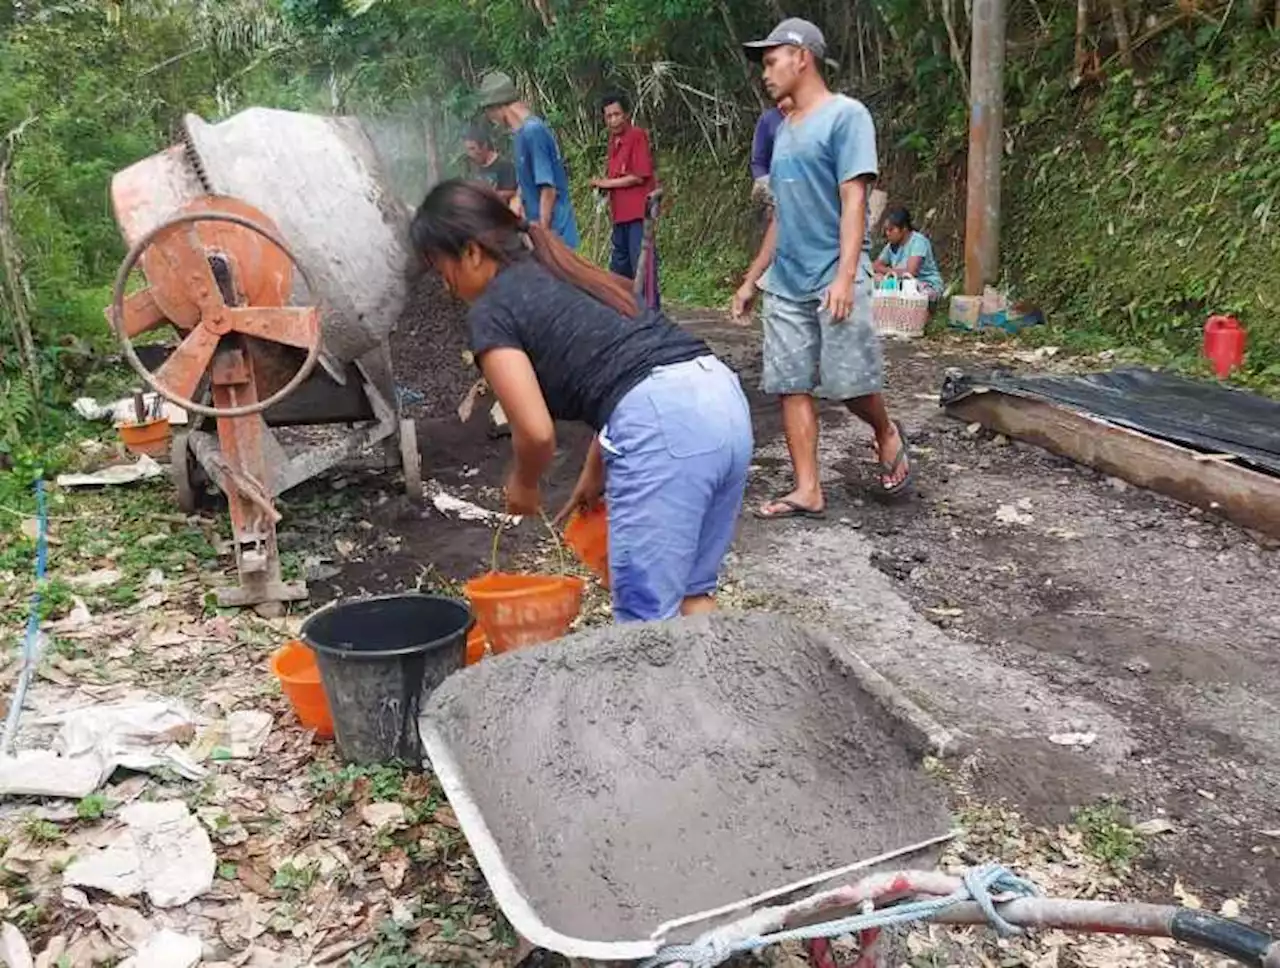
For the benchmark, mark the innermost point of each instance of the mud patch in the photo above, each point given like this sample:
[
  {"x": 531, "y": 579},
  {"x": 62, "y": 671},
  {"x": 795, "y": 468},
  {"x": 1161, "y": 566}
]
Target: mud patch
[
  {"x": 399, "y": 545},
  {"x": 635, "y": 774}
]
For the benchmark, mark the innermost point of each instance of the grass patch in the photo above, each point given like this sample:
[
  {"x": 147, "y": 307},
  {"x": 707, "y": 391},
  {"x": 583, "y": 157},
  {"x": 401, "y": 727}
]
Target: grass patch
[
  {"x": 345, "y": 784},
  {"x": 42, "y": 832},
  {"x": 295, "y": 880},
  {"x": 93, "y": 807},
  {"x": 1108, "y": 835}
]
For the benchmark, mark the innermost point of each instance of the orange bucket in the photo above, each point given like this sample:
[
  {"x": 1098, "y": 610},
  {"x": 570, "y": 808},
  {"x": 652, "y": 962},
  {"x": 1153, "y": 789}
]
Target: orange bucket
[
  {"x": 519, "y": 610},
  {"x": 587, "y": 533},
  {"x": 295, "y": 666},
  {"x": 150, "y": 438},
  {"x": 476, "y": 644}
]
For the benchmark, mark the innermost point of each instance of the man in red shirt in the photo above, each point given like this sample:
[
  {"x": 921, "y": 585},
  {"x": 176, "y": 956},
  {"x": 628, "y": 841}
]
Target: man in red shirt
[{"x": 630, "y": 179}]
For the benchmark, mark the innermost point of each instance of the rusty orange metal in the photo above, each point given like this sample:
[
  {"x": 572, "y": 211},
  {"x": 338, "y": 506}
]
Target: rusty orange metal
[{"x": 177, "y": 264}]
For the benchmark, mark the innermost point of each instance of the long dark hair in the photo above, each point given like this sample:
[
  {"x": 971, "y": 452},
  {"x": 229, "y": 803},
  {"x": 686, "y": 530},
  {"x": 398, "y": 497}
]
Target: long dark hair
[{"x": 458, "y": 212}]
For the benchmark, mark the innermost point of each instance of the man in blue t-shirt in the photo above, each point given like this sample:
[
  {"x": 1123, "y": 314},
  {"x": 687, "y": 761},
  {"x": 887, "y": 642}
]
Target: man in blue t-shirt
[
  {"x": 540, "y": 173},
  {"x": 815, "y": 268}
]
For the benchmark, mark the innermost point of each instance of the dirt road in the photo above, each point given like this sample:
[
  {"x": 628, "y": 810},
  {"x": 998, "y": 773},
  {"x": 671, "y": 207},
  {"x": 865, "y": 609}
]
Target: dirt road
[
  {"x": 1019, "y": 597},
  {"x": 1085, "y": 606}
]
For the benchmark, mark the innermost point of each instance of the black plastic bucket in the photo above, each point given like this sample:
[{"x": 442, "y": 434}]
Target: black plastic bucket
[{"x": 379, "y": 658}]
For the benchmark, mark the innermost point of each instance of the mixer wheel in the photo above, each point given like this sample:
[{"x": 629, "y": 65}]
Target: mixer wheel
[
  {"x": 411, "y": 459},
  {"x": 182, "y": 464}
]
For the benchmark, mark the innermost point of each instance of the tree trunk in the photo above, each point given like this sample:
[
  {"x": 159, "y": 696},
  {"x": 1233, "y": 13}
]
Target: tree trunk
[
  {"x": 1082, "y": 30},
  {"x": 957, "y": 51},
  {"x": 13, "y": 282},
  {"x": 1120, "y": 23}
]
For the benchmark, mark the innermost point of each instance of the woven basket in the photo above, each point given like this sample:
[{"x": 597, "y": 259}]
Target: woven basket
[{"x": 900, "y": 312}]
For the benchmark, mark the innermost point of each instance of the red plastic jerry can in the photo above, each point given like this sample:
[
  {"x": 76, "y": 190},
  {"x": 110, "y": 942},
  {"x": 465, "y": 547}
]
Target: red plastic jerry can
[{"x": 1224, "y": 341}]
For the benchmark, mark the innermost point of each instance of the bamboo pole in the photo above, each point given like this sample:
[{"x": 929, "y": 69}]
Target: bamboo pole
[{"x": 1120, "y": 23}]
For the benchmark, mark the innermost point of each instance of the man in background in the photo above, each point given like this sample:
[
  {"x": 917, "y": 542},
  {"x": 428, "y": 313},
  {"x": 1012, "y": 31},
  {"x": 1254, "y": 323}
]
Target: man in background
[
  {"x": 815, "y": 268},
  {"x": 541, "y": 179},
  {"x": 629, "y": 178},
  {"x": 762, "y": 149},
  {"x": 487, "y": 165}
]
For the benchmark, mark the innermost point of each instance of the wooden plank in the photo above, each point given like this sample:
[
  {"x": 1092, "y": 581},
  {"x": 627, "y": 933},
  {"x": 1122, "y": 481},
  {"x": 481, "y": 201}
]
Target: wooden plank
[{"x": 1247, "y": 497}]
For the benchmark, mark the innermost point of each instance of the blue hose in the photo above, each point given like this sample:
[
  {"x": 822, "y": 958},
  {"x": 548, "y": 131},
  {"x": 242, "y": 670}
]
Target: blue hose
[{"x": 31, "y": 645}]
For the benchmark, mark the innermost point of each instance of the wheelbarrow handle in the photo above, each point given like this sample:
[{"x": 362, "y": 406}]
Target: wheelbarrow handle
[{"x": 1196, "y": 928}]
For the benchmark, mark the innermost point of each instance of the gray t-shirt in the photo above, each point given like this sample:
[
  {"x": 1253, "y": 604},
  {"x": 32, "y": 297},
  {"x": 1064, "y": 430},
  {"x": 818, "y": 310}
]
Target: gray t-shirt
[
  {"x": 586, "y": 355},
  {"x": 812, "y": 158}
]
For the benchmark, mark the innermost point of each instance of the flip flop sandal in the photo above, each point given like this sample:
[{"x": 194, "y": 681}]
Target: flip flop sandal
[
  {"x": 889, "y": 469},
  {"x": 793, "y": 510}
]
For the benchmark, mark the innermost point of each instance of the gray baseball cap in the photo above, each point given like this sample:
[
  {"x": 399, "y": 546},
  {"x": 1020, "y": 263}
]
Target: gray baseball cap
[
  {"x": 793, "y": 32},
  {"x": 497, "y": 89}
]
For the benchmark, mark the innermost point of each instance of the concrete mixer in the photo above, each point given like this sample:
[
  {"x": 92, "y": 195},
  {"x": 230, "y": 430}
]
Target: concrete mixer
[{"x": 270, "y": 242}]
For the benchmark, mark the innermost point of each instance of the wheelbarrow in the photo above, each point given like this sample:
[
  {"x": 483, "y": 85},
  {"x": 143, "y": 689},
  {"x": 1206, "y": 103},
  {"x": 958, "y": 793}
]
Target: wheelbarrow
[{"x": 680, "y": 793}]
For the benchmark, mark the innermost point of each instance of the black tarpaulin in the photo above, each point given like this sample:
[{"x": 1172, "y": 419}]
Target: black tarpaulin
[{"x": 1208, "y": 417}]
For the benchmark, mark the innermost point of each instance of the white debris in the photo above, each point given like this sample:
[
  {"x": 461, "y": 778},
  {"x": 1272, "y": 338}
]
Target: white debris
[
  {"x": 144, "y": 469},
  {"x": 13, "y": 948},
  {"x": 166, "y": 949},
  {"x": 1009, "y": 514},
  {"x": 123, "y": 410},
  {"x": 162, "y": 852},
  {"x": 93, "y": 741},
  {"x": 446, "y": 503},
  {"x": 1077, "y": 740},
  {"x": 239, "y": 737},
  {"x": 94, "y": 580}
]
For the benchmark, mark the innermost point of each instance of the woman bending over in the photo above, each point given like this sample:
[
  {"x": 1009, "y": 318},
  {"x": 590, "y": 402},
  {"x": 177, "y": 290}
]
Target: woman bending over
[{"x": 559, "y": 339}]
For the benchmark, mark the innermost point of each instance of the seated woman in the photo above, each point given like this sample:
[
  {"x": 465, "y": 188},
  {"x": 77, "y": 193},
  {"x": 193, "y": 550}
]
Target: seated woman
[
  {"x": 909, "y": 253},
  {"x": 559, "y": 339}
]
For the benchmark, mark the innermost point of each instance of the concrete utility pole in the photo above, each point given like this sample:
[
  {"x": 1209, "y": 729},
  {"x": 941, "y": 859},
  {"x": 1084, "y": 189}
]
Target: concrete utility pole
[{"x": 986, "y": 146}]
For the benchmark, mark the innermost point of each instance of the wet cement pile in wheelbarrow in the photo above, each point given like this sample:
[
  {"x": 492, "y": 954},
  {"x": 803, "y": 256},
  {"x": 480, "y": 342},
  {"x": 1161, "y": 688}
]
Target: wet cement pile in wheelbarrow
[{"x": 634, "y": 774}]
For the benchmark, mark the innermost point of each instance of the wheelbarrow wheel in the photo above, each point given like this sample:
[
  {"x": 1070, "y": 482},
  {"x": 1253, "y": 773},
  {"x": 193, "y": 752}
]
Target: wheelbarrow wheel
[
  {"x": 182, "y": 464},
  {"x": 411, "y": 459}
]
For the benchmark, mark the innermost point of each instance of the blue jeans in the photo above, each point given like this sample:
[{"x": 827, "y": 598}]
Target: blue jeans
[
  {"x": 628, "y": 240},
  {"x": 677, "y": 449}
]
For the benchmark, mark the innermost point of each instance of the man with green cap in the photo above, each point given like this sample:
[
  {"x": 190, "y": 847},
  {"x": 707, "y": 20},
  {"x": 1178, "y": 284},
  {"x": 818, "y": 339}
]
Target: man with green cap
[{"x": 540, "y": 172}]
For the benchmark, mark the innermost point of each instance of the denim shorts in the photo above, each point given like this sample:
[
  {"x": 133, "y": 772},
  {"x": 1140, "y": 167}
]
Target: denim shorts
[
  {"x": 806, "y": 351},
  {"x": 677, "y": 449}
]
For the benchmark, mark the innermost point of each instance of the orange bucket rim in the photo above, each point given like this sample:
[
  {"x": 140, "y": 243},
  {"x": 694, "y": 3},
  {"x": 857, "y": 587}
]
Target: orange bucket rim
[
  {"x": 277, "y": 658},
  {"x": 474, "y": 589}
]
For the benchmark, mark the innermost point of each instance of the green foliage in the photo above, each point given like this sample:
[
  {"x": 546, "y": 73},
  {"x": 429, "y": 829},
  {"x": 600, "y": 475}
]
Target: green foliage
[
  {"x": 295, "y": 880},
  {"x": 93, "y": 807},
  {"x": 391, "y": 948},
  {"x": 385, "y": 781},
  {"x": 1160, "y": 208},
  {"x": 1136, "y": 203},
  {"x": 39, "y": 831},
  {"x": 1108, "y": 835}
]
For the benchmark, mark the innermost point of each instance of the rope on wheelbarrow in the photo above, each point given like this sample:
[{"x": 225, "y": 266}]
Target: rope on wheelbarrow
[{"x": 981, "y": 885}]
